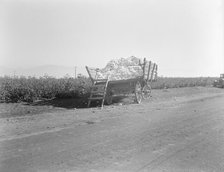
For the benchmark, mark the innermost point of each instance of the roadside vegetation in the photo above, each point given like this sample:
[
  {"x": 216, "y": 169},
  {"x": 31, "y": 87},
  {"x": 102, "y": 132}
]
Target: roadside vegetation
[
  {"x": 178, "y": 82},
  {"x": 17, "y": 89},
  {"x": 29, "y": 89}
]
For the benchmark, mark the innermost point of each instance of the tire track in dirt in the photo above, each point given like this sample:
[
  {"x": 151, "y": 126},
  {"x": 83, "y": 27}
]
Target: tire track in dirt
[
  {"x": 162, "y": 158},
  {"x": 198, "y": 139},
  {"x": 135, "y": 138}
]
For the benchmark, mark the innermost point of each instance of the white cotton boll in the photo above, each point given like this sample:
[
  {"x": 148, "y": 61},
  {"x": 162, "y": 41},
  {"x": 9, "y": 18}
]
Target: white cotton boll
[{"x": 123, "y": 68}]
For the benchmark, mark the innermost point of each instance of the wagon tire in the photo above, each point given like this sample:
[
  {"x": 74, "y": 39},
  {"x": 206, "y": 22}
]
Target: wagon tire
[
  {"x": 138, "y": 92},
  {"x": 146, "y": 91}
]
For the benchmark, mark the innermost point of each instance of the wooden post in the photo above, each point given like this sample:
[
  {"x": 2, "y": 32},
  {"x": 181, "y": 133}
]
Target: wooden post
[
  {"x": 149, "y": 70},
  {"x": 154, "y": 65},
  {"x": 144, "y": 64},
  {"x": 89, "y": 74},
  {"x": 156, "y": 72}
]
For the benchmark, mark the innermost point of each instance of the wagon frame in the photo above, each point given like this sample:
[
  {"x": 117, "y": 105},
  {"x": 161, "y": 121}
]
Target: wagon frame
[{"x": 105, "y": 89}]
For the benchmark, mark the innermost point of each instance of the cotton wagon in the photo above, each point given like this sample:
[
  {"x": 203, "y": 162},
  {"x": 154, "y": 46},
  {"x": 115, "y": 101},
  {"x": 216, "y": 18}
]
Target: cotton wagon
[{"x": 133, "y": 76}]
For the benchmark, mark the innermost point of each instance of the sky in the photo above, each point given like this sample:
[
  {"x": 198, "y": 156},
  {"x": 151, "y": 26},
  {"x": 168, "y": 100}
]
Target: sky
[{"x": 184, "y": 37}]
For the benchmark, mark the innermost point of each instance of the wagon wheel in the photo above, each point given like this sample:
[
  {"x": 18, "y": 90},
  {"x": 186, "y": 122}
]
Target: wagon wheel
[
  {"x": 138, "y": 92},
  {"x": 109, "y": 98},
  {"x": 146, "y": 91}
]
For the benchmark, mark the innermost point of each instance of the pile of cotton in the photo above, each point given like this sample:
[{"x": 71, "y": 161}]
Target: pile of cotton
[{"x": 123, "y": 68}]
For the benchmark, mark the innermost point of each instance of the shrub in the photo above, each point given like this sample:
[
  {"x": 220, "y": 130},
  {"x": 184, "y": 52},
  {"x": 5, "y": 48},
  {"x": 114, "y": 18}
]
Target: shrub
[{"x": 30, "y": 89}]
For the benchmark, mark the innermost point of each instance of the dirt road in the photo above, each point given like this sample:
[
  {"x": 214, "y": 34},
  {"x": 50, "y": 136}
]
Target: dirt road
[{"x": 176, "y": 130}]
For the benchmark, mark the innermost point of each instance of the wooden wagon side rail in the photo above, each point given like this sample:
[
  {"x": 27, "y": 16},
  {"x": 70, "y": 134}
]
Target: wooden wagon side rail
[
  {"x": 93, "y": 73},
  {"x": 149, "y": 70}
]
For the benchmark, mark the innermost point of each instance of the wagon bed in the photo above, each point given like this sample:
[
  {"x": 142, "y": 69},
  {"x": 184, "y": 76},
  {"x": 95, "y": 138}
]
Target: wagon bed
[{"x": 105, "y": 86}]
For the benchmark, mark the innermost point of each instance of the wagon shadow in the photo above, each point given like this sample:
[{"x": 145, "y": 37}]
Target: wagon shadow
[
  {"x": 69, "y": 103},
  {"x": 72, "y": 103}
]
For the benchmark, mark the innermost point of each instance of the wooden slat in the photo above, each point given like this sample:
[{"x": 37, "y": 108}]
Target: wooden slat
[
  {"x": 89, "y": 74},
  {"x": 95, "y": 98},
  {"x": 100, "y": 80},
  {"x": 124, "y": 80},
  {"x": 149, "y": 70},
  {"x": 144, "y": 64},
  {"x": 152, "y": 73},
  {"x": 95, "y": 92},
  {"x": 156, "y": 73}
]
